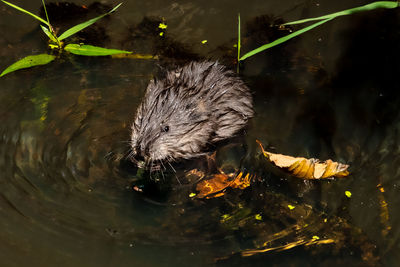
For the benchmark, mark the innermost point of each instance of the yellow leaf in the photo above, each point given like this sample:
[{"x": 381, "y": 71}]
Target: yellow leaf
[{"x": 306, "y": 168}]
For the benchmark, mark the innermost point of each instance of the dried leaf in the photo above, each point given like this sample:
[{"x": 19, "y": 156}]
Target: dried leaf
[
  {"x": 307, "y": 168},
  {"x": 215, "y": 186},
  {"x": 211, "y": 186}
]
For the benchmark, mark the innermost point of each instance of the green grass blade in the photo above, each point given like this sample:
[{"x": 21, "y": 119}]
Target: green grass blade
[
  {"x": 282, "y": 39},
  {"x": 372, "y": 6},
  {"x": 49, "y": 34},
  {"x": 85, "y": 24},
  {"x": 29, "y": 61},
  {"x": 26, "y": 12},
  {"x": 89, "y": 50},
  {"x": 45, "y": 11}
]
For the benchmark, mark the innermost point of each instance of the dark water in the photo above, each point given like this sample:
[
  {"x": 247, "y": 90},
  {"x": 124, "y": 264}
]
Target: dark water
[{"x": 66, "y": 199}]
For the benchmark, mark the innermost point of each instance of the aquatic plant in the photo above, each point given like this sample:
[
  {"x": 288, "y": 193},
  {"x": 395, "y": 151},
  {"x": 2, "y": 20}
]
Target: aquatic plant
[
  {"x": 56, "y": 42},
  {"x": 321, "y": 20}
]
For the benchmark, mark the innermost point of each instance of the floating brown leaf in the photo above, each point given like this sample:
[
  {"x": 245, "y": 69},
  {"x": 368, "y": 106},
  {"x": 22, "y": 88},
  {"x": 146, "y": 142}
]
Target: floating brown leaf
[
  {"x": 307, "y": 168},
  {"x": 215, "y": 186}
]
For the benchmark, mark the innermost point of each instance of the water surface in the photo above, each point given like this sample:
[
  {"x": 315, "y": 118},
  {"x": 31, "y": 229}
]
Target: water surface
[{"x": 66, "y": 199}]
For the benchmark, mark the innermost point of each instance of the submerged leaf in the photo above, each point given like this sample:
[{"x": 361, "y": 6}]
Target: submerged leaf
[
  {"x": 315, "y": 240},
  {"x": 212, "y": 186},
  {"x": 307, "y": 168},
  {"x": 29, "y": 61},
  {"x": 90, "y": 50},
  {"x": 215, "y": 187},
  {"x": 85, "y": 24},
  {"x": 384, "y": 212}
]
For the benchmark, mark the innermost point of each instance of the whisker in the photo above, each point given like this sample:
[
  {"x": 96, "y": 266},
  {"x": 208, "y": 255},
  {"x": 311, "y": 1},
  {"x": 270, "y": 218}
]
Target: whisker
[
  {"x": 109, "y": 155},
  {"x": 131, "y": 155},
  {"x": 162, "y": 173},
  {"x": 179, "y": 181},
  {"x": 169, "y": 163},
  {"x": 151, "y": 169},
  {"x": 176, "y": 176},
  {"x": 163, "y": 168},
  {"x": 163, "y": 165}
]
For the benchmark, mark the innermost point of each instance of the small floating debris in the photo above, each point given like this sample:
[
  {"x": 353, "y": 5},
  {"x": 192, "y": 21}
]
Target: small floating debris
[{"x": 162, "y": 26}]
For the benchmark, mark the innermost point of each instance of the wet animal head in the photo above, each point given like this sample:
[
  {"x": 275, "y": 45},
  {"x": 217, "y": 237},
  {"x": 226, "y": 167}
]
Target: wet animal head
[
  {"x": 169, "y": 125},
  {"x": 182, "y": 114}
]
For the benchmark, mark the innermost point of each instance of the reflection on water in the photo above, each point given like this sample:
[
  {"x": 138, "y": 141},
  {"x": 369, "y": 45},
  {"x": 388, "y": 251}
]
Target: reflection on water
[{"x": 66, "y": 197}]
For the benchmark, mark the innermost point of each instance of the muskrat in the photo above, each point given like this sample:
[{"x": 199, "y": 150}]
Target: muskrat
[{"x": 184, "y": 114}]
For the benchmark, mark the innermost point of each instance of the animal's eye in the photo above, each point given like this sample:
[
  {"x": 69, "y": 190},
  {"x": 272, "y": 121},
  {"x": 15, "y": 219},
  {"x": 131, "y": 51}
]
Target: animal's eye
[{"x": 165, "y": 128}]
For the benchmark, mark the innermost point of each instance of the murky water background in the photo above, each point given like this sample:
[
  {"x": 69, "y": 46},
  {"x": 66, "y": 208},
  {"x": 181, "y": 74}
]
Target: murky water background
[{"x": 65, "y": 199}]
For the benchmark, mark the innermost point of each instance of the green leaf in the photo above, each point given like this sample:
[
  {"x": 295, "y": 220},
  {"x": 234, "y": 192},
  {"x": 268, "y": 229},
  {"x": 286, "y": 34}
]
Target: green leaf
[
  {"x": 49, "y": 34},
  {"x": 83, "y": 25},
  {"x": 90, "y": 50},
  {"x": 282, "y": 39},
  {"x": 372, "y": 6},
  {"x": 45, "y": 11},
  {"x": 29, "y": 61},
  {"x": 322, "y": 20},
  {"x": 26, "y": 12}
]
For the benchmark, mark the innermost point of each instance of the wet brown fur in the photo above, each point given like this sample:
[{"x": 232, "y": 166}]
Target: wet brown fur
[{"x": 190, "y": 109}]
